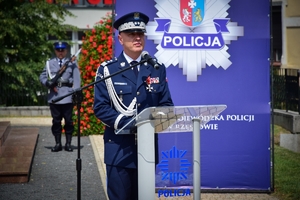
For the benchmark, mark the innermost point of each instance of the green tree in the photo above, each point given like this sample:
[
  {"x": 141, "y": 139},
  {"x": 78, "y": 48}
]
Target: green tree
[{"x": 24, "y": 47}]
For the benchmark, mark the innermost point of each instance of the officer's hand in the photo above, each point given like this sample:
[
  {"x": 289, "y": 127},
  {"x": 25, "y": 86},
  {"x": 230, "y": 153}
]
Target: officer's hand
[
  {"x": 131, "y": 127},
  {"x": 49, "y": 84},
  {"x": 133, "y": 130},
  {"x": 131, "y": 124}
]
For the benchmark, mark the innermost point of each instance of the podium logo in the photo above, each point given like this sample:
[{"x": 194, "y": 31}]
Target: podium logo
[
  {"x": 198, "y": 26},
  {"x": 174, "y": 165}
]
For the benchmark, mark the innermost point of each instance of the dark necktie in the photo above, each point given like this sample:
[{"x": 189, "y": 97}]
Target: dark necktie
[
  {"x": 135, "y": 69},
  {"x": 60, "y": 63}
]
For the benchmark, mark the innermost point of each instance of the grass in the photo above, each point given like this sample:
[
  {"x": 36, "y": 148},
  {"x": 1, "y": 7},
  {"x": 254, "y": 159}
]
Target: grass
[{"x": 286, "y": 170}]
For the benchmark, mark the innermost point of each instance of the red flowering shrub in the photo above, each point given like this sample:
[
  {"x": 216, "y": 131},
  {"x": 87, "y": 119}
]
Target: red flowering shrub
[{"x": 96, "y": 48}]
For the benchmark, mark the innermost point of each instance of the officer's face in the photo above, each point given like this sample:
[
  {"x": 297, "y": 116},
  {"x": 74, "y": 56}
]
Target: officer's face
[
  {"x": 60, "y": 53},
  {"x": 133, "y": 43}
]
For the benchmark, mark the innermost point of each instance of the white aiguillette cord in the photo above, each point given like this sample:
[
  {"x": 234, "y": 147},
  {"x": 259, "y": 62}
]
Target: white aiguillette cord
[{"x": 127, "y": 111}]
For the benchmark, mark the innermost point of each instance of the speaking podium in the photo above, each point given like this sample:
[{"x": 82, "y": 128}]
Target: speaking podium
[{"x": 168, "y": 119}]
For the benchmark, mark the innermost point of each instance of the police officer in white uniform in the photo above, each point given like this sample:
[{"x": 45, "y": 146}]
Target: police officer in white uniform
[{"x": 66, "y": 83}]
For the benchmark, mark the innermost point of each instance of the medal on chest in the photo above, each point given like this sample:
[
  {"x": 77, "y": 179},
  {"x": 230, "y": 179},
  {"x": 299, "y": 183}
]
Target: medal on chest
[{"x": 149, "y": 88}]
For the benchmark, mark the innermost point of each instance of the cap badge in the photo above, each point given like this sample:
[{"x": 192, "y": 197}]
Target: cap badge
[{"x": 136, "y": 16}]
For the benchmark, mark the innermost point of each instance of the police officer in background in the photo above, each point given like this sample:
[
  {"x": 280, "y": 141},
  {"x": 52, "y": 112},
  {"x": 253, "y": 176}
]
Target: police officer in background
[
  {"x": 120, "y": 97},
  {"x": 65, "y": 84}
]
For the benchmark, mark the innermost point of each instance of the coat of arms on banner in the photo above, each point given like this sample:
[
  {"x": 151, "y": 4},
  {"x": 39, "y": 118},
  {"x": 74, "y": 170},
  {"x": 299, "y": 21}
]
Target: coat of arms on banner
[
  {"x": 192, "y": 12},
  {"x": 193, "y": 34}
]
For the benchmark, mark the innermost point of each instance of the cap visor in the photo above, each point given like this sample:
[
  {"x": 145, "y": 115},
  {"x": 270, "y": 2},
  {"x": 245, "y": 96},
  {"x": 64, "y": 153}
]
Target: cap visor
[{"x": 134, "y": 31}]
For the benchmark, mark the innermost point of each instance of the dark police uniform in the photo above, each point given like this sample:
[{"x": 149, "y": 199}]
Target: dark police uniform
[
  {"x": 69, "y": 81},
  {"x": 115, "y": 103}
]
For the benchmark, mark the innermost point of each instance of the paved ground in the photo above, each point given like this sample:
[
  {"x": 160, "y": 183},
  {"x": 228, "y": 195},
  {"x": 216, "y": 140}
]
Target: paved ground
[{"x": 54, "y": 175}]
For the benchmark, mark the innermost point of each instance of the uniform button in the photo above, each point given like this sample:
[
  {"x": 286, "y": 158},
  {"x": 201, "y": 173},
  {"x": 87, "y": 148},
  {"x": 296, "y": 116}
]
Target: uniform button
[
  {"x": 139, "y": 104},
  {"x": 138, "y": 93},
  {"x": 109, "y": 140},
  {"x": 121, "y": 91}
]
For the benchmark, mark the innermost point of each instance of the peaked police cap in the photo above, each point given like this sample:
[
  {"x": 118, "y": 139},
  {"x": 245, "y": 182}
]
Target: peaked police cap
[
  {"x": 60, "y": 45},
  {"x": 132, "y": 22}
]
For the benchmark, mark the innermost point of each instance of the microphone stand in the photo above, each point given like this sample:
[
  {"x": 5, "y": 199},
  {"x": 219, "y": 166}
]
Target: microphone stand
[{"x": 78, "y": 98}]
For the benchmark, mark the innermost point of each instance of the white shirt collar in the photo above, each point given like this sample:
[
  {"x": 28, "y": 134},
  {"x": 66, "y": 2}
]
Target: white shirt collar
[
  {"x": 63, "y": 60},
  {"x": 129, "y": 60}
]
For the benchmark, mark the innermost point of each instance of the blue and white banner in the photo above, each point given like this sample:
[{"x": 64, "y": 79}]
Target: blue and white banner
[
  {"x": 216, "y": 53},
  {"x": 192, "y": 40}
]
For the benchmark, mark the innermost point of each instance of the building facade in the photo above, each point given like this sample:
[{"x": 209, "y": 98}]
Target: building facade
[
  {"x": 87, "y": 13},
  {"x": 286, "y": 31}
]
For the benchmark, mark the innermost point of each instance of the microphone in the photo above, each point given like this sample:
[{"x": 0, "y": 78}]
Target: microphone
[{"x": 152, "y": 61}]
